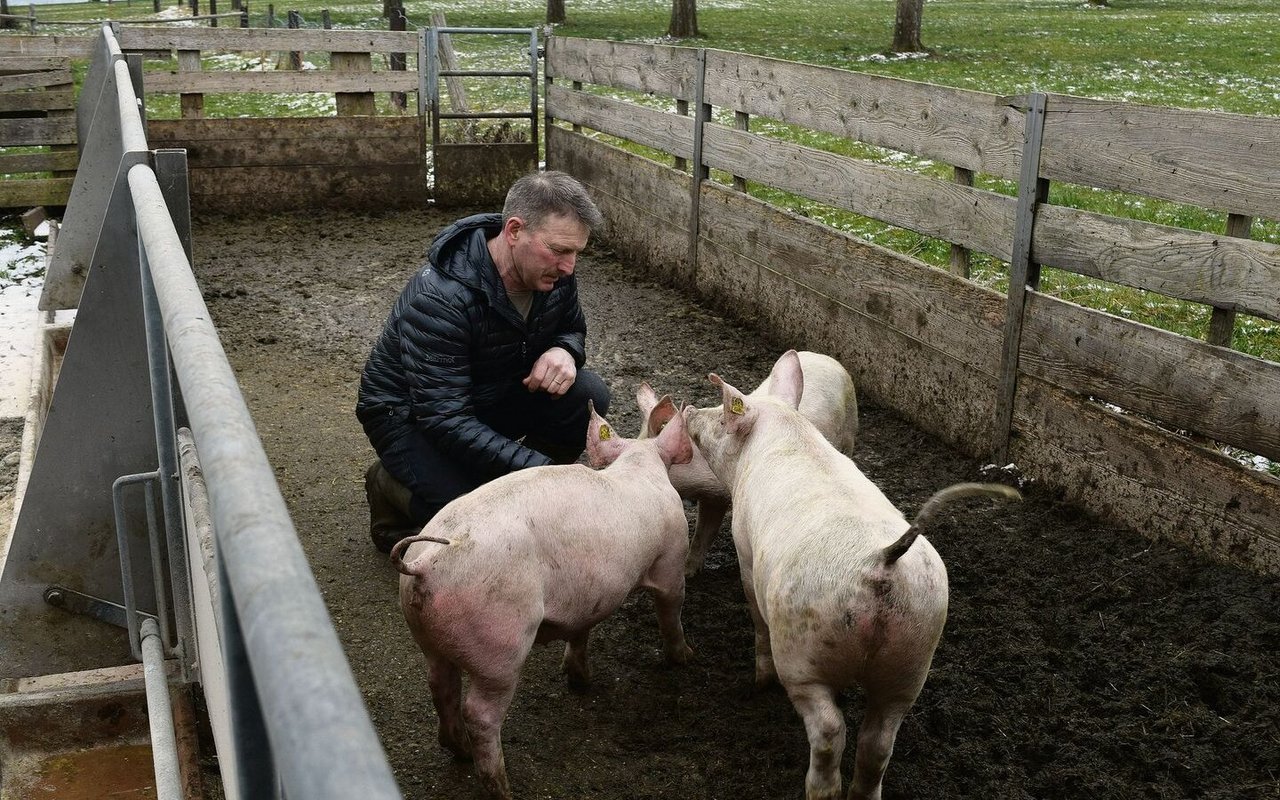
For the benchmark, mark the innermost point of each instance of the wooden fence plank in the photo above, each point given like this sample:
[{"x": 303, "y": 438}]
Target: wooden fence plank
[
  {"x": 1227, "y": 162},
  {"x": 300, "y": 141},
  {"x": 11, "y": 163},
  {"x": 60, "y": 45},
  {"x": 1135, "y": 474},
  {"x": 670, "y": 133},
  {"x": 11, "y": 65},
  {"x": 973, "y": 130},
  {"x": 357, "y": 102},
  {"x": 926, "y": 305},
  {"x": 246, "y": 189},
  {"x": 243, "y": 39},
  {"x": 1185, "y": 383},
  {"x": 650, "y": 68},
  {"x": 974, "y": 218},
  {"x": 283, "y": 82},
  {"x": 34, "y": 80},
  {"x": 46, "y": 100},
  {"x": 912, "y": 335},
  {"x": 1231, "y": 273},
  {"x": 37, "y": 131},
  {"x": 27, "y": 193}
]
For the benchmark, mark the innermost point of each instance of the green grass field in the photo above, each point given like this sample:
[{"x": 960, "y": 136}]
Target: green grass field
[{"x": 1184, "y": 53}]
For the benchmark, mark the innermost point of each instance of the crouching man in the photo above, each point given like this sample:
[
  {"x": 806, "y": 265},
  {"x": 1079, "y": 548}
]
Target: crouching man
[{"x": 478, "y": 370}]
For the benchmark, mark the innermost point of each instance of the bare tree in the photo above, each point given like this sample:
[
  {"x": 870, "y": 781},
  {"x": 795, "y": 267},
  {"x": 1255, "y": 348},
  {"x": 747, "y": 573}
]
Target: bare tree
[
  {"x": 906, "y": 27},
  {"x": 684, "y": 19},
  {"x": 555, "y": 11}
]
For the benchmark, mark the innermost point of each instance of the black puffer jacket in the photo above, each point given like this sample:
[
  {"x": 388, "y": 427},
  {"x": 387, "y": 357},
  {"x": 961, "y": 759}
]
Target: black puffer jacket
[{"x": 454, "y": 342}]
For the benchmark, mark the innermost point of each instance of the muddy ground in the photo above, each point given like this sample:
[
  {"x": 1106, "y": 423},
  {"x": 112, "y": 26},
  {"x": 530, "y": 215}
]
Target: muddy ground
[{"x": 1079, "y": 660}]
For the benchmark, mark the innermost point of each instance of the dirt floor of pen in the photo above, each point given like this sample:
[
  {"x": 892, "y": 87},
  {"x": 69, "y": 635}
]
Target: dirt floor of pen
[{"x": 1078, "y": 660}]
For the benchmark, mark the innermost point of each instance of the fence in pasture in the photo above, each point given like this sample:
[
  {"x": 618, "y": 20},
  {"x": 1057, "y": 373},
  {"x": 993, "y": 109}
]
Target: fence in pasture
[
  {"x": 151, "y": 513},
  {"x": 1110, "y": 412},
  {"x": 37, "y": 130},
  {"x": 373, "y": 147}
]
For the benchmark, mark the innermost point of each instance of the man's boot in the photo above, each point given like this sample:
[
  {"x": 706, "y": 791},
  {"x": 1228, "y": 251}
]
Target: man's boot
[{"x": 389, "y": 519}]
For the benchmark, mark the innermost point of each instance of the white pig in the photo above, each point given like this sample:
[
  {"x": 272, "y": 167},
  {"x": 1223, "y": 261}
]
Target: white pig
[
  {"x": 829, "y": 401},
  {"x": 842, "y": 590},
  {"x": 538, "y": 555}
]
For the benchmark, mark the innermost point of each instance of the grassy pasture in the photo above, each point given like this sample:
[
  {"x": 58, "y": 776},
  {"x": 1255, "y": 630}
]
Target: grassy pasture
[{"x": 1183, "y": 53}]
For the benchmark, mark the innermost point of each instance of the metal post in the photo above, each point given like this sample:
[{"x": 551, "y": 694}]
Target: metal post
[
  {"x": 164, "y": 743},
  {"x": 1023, "y": 274},
  {"x": 533, "y": 89}
]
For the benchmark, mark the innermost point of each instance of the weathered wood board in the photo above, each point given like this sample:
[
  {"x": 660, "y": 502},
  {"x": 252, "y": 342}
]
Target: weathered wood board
[{"x": 242, "y": 165}]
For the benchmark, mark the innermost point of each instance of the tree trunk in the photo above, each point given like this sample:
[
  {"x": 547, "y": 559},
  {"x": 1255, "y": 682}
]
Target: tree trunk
[
  {"x": 555, "y": 11},
  {"x": 684, "y": 19},
  {"x": 906, "y": 27}
]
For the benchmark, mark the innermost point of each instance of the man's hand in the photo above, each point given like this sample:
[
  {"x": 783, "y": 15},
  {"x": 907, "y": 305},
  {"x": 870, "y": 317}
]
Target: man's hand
[{"x": 554, "y": 372}]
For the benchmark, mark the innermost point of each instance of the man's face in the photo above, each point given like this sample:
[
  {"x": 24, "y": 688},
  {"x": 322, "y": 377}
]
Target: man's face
[{"x": 545, "y": 254}]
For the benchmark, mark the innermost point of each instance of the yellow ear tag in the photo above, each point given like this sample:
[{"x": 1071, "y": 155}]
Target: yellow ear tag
[
  {"x": 735, "y": 406},
  {"x": 605, "y": 433}
]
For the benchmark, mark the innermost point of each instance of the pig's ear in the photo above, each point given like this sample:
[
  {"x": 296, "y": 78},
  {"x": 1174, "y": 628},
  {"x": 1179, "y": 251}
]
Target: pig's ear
[
  {"x": 786, "y": 381},
  {"x": 661, "y": 414},
  {"x": 646, "y": 398},
  {"x": 674, "y": 443},
  {"x": 738, "y": 414},
  {"x": 604, "y": 445}
]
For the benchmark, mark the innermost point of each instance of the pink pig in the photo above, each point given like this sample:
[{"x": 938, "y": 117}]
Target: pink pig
[
  {"x": 538, "y": 555},
  {"x": 829, "y": 401},
  {"x": 842, "y": 590}
]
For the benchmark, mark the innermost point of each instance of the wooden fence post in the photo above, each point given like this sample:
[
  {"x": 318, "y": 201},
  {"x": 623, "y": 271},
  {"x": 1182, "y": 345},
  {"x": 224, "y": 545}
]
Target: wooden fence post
[
  {"x": 326, "y": 21},
  {"x": 1032, "y": 190},
  {"x": 960, "y": 257},
  {"x": 353, "y": 104},
  {"x": 742, "y": 122},
  {"x": 398, "y": 22},
  {"x": 192, "y": 105},
  {"x": 1222, "y": 324},
  {"x": 213, "y": 11},
  {"x": 271, "y": 15},
  {"x": 701, "y": 115},
  {"x": 295, "y": 57}
]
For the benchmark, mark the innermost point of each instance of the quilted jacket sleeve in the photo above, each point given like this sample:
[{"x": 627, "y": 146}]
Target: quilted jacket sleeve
[{"x": 435, "y": 348}]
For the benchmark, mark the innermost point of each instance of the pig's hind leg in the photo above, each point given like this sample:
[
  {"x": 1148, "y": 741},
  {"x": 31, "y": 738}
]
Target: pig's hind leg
[
  {"x": 875, "y": 744},
  {"x": 445, "y": 679},
  {"x": 824, "y": 724},
  {"x": 574, "y": 665},
  {"x": 711, "y": 512},
  {"x": 665, "y": 582},
  {"x": 485, "y": 708}
]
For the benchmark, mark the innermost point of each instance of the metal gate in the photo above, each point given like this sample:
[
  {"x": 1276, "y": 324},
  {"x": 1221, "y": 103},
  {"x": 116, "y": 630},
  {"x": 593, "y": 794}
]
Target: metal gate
[{"x": 474, "y": 164}]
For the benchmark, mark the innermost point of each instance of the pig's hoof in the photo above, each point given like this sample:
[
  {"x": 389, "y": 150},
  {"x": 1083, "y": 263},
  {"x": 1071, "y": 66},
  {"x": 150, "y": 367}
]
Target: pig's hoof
[
  {"x": 680, "y": 656},
  {"x": 461, "y": 749},
  {"x": 578, "y": 681}
]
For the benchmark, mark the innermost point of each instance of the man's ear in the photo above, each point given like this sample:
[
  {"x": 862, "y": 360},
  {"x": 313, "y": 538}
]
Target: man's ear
[{"x": 512, "y": 227}]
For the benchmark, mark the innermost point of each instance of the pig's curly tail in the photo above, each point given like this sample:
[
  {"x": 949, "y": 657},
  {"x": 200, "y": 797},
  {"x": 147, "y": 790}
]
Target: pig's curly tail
[
  {"x": 940, "y": 498},
  {"x": 403, "y": 544}
]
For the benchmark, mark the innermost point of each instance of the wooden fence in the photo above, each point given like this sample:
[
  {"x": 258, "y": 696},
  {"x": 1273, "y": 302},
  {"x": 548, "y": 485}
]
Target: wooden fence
[
  {"x": 1107, "y": 411},
  {"x": 354, "y": 159},
  {"x": 37, "y": 114}
]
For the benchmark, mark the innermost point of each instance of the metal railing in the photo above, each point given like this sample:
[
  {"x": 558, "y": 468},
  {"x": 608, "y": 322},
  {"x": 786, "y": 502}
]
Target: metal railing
[{"x": 299, "y": 726}]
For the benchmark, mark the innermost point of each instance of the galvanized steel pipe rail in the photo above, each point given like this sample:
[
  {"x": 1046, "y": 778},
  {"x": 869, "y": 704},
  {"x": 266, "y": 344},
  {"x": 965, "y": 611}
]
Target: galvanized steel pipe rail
[{"x": 323, "y": 742}]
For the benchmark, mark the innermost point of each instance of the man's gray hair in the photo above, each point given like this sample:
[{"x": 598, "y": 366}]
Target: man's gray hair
[{"x": 539, "y": 195}]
